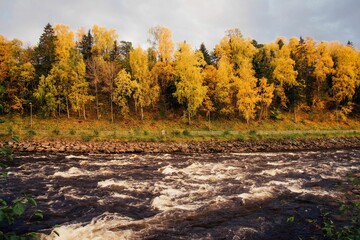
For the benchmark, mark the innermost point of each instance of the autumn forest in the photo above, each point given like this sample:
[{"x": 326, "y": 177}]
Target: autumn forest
[{"x": 93, "y": 74}]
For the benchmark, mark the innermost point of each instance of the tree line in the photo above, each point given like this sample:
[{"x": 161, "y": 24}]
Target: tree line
[{"x": 69, "y": 73}]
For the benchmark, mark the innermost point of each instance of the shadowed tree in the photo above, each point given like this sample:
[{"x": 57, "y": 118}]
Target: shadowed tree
[
  {"x": 206, "y": 54},
  {"x": 45, "y": 55},
  {"x": 85, "y": 45},
  {"x": 124, "y": 51}
]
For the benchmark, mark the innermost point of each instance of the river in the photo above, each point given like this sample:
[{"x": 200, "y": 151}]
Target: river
[{"x": 278, "y": 195}]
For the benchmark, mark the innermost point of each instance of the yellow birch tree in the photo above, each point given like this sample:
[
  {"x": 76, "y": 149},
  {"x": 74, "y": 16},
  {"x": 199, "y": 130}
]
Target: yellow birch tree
[
  {"x": 189, "y": 87},
  {"x": 147, "y": 90},
  {"x": 284, "y": 73},
  {"x": 161, "y": 39},
  {"x": 103, "y": 41},
  {"x": 124, "y": 88},
  {"x": 345, "y": 79},
  {"x": 323, "y": 68},
  {"x": 266, "y": 95}
]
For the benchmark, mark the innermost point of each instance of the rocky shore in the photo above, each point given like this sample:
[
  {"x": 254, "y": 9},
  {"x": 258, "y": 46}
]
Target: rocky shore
[{"x": 267, "y": 145}]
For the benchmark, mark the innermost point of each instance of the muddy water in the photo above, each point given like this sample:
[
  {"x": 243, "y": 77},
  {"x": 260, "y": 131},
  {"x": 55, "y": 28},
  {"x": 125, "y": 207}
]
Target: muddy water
[{"x": 189, "y": 196}]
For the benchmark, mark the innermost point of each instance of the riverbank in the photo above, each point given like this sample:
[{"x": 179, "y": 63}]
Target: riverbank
[{"x": 266, "y": 145}]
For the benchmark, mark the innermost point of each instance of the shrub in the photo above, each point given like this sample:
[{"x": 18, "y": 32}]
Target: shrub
[
  {"x": 12, "y": 212},
  {"x": 86, "y": 137},
  {"x": 275, "y": 114},
  {"x": 96, "y": 133},
  {"x": 30, "y": 133},
  {"x": 226, "y": 133},
  {"x": 72, "y": 131},
  {"x": 56, "y": 131},
  {"x": 253, "y": 135},
  {"x": 240, "y": 138},
  {"x": 186, "y": 133},
  {"x": 252, "y": 132},
  {"x": 175, "y": 133}
]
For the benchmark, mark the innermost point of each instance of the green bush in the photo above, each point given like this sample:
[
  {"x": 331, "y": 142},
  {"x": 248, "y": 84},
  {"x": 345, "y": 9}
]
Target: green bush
[
  {"x": 96, "y": 133},
  {"x": 252, "y": 132},
  {"x": 176, "y": 133},
  {"x": 240, "y": 138},
  {"x": 11, "y": 212},
  {"x": 226, "y": 133},
  {"x": 86, "y": 137},
  {"x": 253, "y": 135},
  {"x": 72, "y": 131},
  {"x": 30, "y": 133},
  {"x": 275, "y": 114},
  {"x": 186, "y": 133},
  {"x": 56, "y": 131}
]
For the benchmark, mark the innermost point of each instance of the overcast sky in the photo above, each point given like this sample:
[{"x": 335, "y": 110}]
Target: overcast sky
[{"x": 195, "y": 21}]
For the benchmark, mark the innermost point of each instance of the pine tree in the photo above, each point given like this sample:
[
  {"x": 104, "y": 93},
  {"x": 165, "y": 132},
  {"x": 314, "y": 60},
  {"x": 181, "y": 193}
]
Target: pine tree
[
  {"x": 124, "y": 52},
  {"x": 206, "y": 54},
  {"x": 45, "y": 55},
  {"x": 85, "y": 46}
]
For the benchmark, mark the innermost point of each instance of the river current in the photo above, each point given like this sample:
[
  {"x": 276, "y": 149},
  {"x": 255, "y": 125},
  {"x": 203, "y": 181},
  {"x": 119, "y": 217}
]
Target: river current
[{"x": 182, "y": 196}]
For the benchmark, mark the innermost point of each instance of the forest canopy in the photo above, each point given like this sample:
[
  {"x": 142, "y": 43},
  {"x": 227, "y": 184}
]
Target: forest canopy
[{"x": 95, "y": 74}]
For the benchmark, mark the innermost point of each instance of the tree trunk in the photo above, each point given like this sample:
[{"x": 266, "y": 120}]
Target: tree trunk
[
  {"x": 261, "y": 112},
  {"x": 295, "y": 114},
  {"x": 84, "y": 112},
  {"x": 189, "y": 118},
  {"x": 67, "y": 107},
  {"x": 142, "y": 112},
  {"x": 111, "y": 109},
  {"x": 59, "y": 109},
  {"x": 97, "y": 101},
  {"x": 136, "y": 111},
  {"x": 209, "y": 121}
]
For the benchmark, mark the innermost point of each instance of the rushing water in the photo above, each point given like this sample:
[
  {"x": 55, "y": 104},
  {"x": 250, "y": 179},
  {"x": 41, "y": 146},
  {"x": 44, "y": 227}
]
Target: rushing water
[{"x": 182, "y": 196}]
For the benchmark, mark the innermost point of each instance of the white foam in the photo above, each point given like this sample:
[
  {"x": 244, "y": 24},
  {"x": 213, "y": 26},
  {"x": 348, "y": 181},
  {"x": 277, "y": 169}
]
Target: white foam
[
  {"x": 162, "y": 203},
  {"x": 272, "y": 172},
  {"x": 99, "y": 228},
  {"x": 72, "y": 172},
  {"x": 173, "y": 192},
  {"x": 166, "y": 203},
  {"x": 112, "y": 182},
  {"x": 76, "y": 157},
  {"x": 168, "y": 170},
  {"x": 127, "y": 184},
  {"x": 296, "y": 187},
  {"x": 118, "y": 195},
  {"x": 257, "y": 193}
]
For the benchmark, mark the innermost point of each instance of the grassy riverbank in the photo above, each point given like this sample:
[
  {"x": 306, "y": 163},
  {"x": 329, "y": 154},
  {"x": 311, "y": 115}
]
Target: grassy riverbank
[{"x": 174, "y": 129}]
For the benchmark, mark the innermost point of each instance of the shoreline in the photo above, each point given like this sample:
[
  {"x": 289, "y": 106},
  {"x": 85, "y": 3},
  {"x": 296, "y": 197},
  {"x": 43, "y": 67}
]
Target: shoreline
[{"x": 213, "y": 146}]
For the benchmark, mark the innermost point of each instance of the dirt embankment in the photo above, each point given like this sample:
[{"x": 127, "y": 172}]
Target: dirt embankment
[{"x": 186, "y": 147}]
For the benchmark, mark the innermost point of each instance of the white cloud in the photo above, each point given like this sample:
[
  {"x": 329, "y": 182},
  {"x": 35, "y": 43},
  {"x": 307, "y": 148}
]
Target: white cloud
[{"x": 195, "y": 21}]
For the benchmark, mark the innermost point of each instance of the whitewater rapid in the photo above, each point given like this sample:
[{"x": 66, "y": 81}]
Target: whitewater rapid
[{"x": 181, "y": 196}]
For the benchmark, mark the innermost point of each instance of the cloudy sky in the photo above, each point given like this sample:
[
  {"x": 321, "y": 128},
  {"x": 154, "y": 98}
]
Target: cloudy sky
[{"x": 195, "y": 21}]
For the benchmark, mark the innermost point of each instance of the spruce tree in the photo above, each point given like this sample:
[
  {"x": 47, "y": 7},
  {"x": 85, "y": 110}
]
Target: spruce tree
[
  {"x": 124, "y": 51},
  {"x": 206, "y": 54},
  {"x": 45, "y": 55},
  {"x": 85, "y": 45}
]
